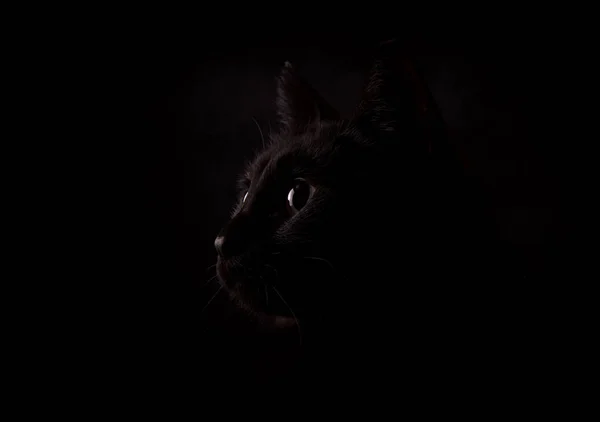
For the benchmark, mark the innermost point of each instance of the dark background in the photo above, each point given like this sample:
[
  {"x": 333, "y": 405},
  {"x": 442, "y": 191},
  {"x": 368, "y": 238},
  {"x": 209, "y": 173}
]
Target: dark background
[{"x": 187, "y": 102}]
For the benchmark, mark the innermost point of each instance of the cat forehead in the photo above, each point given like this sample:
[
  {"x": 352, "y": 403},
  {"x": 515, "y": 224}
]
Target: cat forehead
[
  {"x": 287, "y": 152},
  {"x": 278, "y": 159}
]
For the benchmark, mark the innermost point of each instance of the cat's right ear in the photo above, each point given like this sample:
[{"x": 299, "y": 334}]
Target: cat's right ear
[
  {"x": 397, "y": 101},
  {"x": 298, "y": 104}
]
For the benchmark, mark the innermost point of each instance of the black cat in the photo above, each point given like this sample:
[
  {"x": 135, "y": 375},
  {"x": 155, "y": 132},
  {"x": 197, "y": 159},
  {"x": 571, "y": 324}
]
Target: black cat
[{"x": 360, "y": 236}]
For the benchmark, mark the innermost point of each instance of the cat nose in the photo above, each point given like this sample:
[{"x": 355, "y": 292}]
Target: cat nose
[
  {"x": 235, "y": 237},
  {"x": 219, "y": 241}
]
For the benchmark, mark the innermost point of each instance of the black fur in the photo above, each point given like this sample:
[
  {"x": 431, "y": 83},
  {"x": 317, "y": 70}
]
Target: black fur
[{"x": 391, "y": 252}]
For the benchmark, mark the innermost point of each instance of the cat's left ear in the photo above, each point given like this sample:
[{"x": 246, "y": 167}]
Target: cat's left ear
[
  {"x": 299, "y": 104},
  {"x": 396, "y": 100}
]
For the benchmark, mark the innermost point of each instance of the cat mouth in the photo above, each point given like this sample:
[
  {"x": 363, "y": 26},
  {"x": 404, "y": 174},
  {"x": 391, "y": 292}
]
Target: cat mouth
[
  {"x": 222, "y": 271},
  {"x": 265, "y": 302}
]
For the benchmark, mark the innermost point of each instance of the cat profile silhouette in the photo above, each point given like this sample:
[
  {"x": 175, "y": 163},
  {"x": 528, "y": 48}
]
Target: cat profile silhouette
[{"x": 360, "y": 231}]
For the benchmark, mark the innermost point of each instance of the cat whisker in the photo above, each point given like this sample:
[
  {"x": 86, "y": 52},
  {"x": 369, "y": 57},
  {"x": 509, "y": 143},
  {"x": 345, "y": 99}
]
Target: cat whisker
[
  {"x": 291, "y": 311},
  {"x": 209, "y": 280},
  {"x": 211, "y": 267},
  {"x": 266, "y": 295},
  {"x": 320, "y": 259},
  {"x": 211, "y": 299},
  {"x": 274, "y": 269},
  {"x": 260, "y": 130}
]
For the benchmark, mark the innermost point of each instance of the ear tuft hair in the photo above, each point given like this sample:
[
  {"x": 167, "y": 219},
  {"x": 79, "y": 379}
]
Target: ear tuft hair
[{"x": 298, "y": 104}]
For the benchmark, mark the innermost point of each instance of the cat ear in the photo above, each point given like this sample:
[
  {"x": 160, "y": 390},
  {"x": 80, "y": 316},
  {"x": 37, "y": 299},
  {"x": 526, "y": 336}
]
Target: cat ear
[
  {"x": 396, "y": 99},
  {"x": 298, "y": 104}
]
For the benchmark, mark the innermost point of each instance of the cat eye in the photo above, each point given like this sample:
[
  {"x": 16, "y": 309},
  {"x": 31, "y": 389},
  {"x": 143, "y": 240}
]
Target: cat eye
[
  {"x": 244, "y": 200},
  {"x": 298, "y": 196}
]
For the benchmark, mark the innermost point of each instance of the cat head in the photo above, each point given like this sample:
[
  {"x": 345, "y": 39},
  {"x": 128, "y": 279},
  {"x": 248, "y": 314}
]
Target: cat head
[{"x": 318, "y": 205}]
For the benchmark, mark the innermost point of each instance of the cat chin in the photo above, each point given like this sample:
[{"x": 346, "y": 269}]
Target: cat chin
[
  {"x": 276, "y": 322},
  {"x": 266, "y": 322}
]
